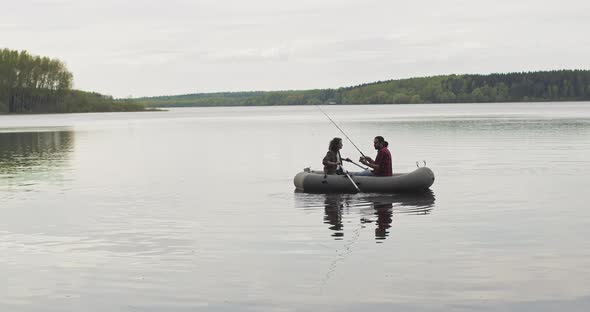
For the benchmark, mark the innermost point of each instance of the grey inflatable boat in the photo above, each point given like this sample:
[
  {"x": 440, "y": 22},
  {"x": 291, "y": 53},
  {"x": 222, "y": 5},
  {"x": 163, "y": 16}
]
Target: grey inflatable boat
[{"x": 317, "y": 182}]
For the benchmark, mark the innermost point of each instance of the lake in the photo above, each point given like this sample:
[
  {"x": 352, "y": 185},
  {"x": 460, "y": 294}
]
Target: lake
[{"x": 194, "y": 209}]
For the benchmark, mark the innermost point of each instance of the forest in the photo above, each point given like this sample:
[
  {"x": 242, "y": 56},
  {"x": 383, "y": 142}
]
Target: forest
[
  {"x": 36, "y": 84},
  {"x": 540, "y": 86}
]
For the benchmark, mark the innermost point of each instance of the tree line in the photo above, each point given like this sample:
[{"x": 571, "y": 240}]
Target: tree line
[
  {"x": 37, "y": 84},
  {"x": 558, "y": 85}
]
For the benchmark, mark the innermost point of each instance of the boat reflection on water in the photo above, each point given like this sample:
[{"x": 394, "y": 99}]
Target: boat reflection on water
[
  {"x": 377, "y": 209},
  {"x": 385, "y": 206}
]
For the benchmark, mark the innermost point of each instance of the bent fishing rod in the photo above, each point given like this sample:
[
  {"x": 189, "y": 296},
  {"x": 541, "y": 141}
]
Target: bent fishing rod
[{"x": 321, "y": 110}]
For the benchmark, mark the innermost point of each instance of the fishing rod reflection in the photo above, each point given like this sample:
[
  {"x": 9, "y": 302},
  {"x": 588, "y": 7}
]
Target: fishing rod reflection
[{"x": 377, "y": 210}]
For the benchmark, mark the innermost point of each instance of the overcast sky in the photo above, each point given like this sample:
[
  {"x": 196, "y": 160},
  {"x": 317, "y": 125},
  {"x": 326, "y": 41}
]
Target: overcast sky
[{"x": 148, "y": 47}]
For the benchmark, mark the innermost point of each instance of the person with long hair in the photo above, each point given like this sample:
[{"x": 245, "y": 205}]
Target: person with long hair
[{"x": 333, "y": 161}]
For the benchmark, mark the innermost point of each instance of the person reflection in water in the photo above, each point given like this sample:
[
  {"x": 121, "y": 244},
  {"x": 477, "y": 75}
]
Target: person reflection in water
[
  {"x": 333, "y": 214},
  {"x": 376, "y": 211},
  {"x": 384, "y": 213},
  {"x": 333, "y": 161}
]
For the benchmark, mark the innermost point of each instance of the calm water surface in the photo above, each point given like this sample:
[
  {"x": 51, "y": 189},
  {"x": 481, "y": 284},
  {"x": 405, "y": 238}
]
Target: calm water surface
[{"x": 194, "y": 209}]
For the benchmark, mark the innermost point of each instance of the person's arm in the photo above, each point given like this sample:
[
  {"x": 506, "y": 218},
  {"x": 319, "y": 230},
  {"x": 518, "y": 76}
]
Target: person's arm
[
  {"x": 373, "y": 166},
  {"x": 327, "y": 161},
  {"x": 378, "y": 160},
  {"x": 342, "y": 159},
  {"x": 367, "y": 161}
]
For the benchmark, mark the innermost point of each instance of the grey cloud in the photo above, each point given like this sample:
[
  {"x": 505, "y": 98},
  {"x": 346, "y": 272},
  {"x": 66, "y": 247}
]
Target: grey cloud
[{"x": 126, "y": 47}]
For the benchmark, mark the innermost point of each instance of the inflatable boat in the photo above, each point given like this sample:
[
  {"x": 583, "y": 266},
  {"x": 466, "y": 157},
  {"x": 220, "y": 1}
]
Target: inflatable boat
[{"x": 317, "y": 182}]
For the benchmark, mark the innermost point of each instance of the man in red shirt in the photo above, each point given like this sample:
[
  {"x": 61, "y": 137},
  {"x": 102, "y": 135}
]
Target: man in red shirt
[{"x": 382, "y": 164}]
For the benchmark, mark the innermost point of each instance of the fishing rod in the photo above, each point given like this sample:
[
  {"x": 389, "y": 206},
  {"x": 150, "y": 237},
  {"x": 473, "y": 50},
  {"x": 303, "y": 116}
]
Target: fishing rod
[
  {"x": 364, "y": 168},
  {"x": 346, "y": 172},
  {"x": 321, "y": 110},
  {"x": 350, "y": 178}
]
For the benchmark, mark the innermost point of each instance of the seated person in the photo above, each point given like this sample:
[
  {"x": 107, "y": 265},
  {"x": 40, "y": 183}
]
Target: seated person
[
  {"x": 332, "y": 161},
  {"x": 382, "y": 164}
]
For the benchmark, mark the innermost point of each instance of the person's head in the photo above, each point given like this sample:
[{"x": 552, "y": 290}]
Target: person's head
[
  {"x": 335, "y": 144},
  {"x": 378, "y": 142}
]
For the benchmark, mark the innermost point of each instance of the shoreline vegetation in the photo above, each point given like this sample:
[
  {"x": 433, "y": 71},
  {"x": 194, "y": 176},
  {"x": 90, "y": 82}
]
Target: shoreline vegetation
[
  {"x": 35, "y": 84},
  {"x": 539, "y": 86}
]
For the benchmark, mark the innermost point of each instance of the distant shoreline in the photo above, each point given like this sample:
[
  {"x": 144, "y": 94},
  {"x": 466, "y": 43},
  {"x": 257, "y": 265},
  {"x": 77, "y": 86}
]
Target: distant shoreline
[
  {"x": 165, "y": 108},
  {"x": 541, "y": 86},
  {"x": 147, "y": 110}
]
